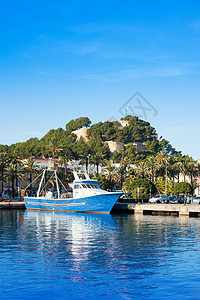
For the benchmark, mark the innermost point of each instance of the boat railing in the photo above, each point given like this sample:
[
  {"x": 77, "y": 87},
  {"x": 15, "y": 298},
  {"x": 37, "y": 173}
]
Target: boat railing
[{"x": 67, "y": 195}]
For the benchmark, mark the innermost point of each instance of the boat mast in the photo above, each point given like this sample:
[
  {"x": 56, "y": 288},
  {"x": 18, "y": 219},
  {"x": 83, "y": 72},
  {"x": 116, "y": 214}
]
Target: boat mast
[
  {"x": 39, "y": 189},
  {"x": 57, "y": 185}
]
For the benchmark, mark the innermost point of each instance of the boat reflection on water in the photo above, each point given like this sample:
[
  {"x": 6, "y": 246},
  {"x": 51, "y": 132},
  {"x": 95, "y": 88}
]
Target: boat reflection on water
[{"x": 72, "y": 237}]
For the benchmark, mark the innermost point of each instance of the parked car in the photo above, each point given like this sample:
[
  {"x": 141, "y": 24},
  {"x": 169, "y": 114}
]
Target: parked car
[
  {"x": 173, "y": 199},
  {"x": 182, "y": 200},
  {"x": 164, "y": 199},
  {"x": 155, "y": 199},
  {"x": 196, "y": 200},
  {"x": 189, "y": 199}
]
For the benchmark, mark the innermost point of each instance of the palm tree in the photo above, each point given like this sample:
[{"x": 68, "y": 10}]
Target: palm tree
[
  {"x": 176, "y": 165},
  {"x": 3, "y": 163},
  {"x": 53, "y": 148},
  {"x": 192, "y": 170},
  {"x": 121, "y": 174},
  {"x": 161, "y": 163},
  {"x": 171, "y": 167},
  {"x": 30, "y": 167},
  {"x": 150, "y": 162},
  {"x": 161, "y": 186},
  {"x": 16, "y": 159},
  {"x": 177, "y": 169},
  {"x": 14, "y": 172},
  {"x": 97, "y": 158},
  {"x": 142, "y": 170},
  {"x": 186, "y": 166},
  {"x": 110, "y": 170},
  {"x": 64, "y": 158}
]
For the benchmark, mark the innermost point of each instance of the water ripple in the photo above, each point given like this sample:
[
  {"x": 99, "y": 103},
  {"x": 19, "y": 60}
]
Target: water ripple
[{"x": 77, "y": 256}]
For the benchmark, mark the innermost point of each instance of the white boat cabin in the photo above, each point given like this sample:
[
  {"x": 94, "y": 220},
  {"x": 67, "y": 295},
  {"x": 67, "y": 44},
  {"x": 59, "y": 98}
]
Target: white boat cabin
[{"x": 85, "y": 187}]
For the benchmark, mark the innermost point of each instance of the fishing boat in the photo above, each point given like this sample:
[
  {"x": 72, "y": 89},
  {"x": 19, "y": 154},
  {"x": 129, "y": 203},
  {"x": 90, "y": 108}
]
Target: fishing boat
[{"x": 86, "y": 196}]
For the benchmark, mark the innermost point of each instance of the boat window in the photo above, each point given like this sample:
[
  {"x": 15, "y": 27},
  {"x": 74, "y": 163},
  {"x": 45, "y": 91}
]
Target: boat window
[
  {"x": 77, "y": 186},
  {"x": 95, "y": 186},
  {"x": 88, "y": 186},
  {"x": 91, "y": 186},
  {"x": 84, "y": 185}
]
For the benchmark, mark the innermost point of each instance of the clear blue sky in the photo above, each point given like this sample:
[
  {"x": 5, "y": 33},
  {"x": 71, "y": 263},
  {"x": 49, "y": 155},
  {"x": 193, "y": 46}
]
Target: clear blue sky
[{"x": 61, "y": 59}]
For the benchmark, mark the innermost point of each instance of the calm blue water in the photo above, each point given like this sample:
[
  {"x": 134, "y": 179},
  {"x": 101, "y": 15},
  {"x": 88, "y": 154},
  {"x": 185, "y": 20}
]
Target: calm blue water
[{"x": 76, "y": 256}]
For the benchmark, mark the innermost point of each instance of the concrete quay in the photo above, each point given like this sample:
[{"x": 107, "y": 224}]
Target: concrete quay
[
  {"x": 191, "y": 210},
  {"x": 12, "y": 204}
]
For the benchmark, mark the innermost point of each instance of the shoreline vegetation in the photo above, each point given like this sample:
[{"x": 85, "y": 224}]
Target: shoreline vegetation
[{"x": 139, "y": 160}]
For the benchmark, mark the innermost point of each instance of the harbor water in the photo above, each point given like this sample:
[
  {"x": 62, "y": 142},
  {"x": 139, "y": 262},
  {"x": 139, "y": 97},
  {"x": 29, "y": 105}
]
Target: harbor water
[{"x": 47, "y": 255}]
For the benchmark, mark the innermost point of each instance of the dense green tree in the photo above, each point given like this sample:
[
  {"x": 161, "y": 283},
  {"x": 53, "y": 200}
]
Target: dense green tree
[
  {"x": 152, "y": 146},
  {"x": 165, "y": 145},
  {"x": 4, "y": 148},
  {"x": 161, "y": 186},
  {"x": 117, "y": 156},
  {"x": 82, "y": 150},
  {"x": 105, "y": 183},
  {"x": 107, "y": 131},
  {"x": 183, "y": 188},
  {"x": 77, "y": 124},
  {"x": 145, "y": 186}
]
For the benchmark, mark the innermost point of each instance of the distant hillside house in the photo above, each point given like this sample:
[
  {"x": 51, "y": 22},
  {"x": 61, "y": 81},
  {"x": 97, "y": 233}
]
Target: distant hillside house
[
  {"x": 140, "y": 147},
  {"x": 122, "y": 122},
  {"x": 81, "y": 134},
  {"x": 115, "y": 146}
]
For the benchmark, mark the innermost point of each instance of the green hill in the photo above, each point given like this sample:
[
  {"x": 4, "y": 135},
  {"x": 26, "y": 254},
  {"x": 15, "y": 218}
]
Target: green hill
[{"x": 65, "y": 141}]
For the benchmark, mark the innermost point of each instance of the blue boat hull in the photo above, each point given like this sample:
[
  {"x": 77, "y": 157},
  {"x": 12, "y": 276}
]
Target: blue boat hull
[{"x": 102, "y": 203}]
